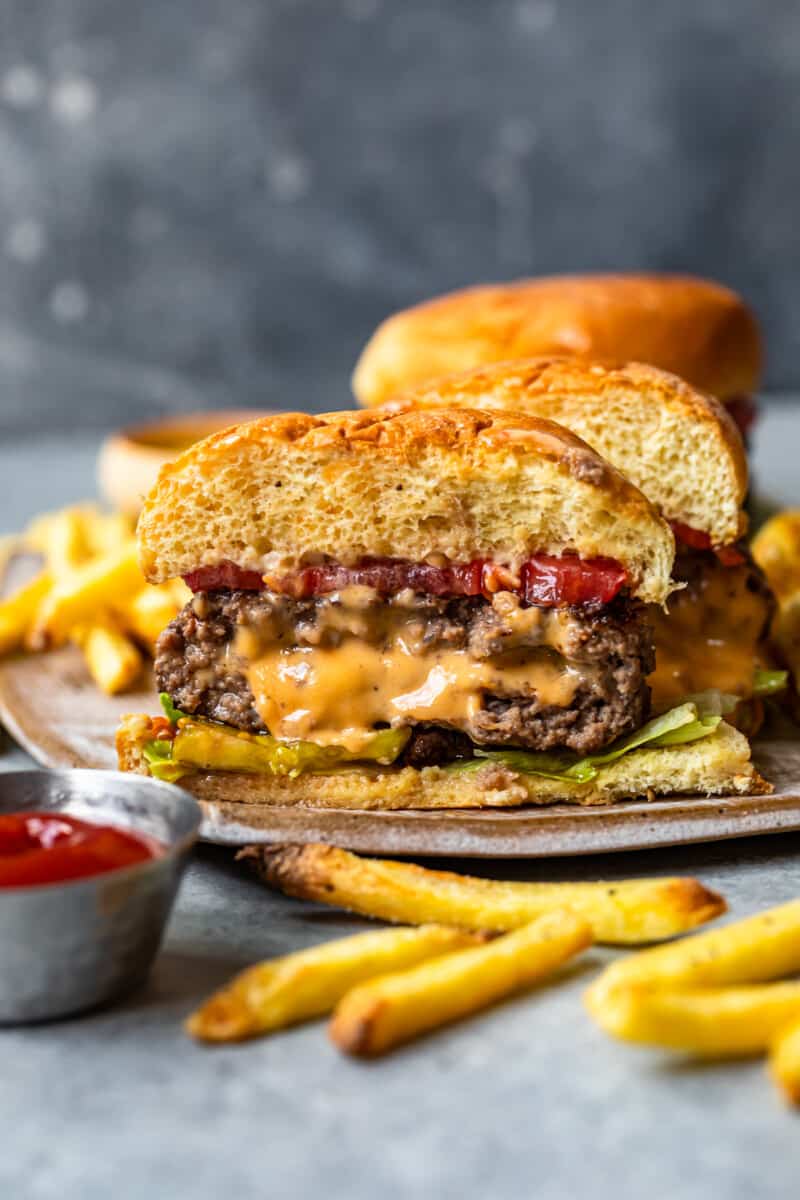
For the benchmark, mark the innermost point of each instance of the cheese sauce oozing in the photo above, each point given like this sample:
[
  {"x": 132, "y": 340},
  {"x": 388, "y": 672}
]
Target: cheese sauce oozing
[
  {"x": 337, "y": 694},
  {"x": 708, "y": 639}
]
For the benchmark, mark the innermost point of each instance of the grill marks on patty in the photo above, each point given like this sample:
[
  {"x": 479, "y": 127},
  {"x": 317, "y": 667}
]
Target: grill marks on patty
[{"x": 196, "y": 662}]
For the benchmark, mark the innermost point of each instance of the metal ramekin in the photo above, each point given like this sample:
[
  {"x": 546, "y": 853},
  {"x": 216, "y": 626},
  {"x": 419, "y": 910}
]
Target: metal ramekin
[{"x": 70, "y": 946}]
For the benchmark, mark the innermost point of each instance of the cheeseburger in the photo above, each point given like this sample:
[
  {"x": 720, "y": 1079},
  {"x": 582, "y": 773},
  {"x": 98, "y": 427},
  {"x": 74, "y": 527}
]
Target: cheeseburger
[{"x": 423, "y": 609}]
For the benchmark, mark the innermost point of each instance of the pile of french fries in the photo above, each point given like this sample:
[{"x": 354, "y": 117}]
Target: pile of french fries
[
  {"x": 459, "y": 944},
  {"x": 89, "y": 590},
  {"x": 719, "y": 994}
]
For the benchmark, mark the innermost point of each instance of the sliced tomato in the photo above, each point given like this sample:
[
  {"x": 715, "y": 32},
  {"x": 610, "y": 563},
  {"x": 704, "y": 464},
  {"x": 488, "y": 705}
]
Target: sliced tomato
[
  {"x": 387, "y": 576},
  {"x": 730, "y": 556},
  {"x": 546, "y": 580},
  {"x": 697, "y": 539},
  {"x": 550, "y": 581},
  {"x": 224, "y": 575}
]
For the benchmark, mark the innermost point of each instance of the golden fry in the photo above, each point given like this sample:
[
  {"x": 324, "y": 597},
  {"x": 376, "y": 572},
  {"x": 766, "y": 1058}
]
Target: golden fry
[
  {"x": 149, "y": 612},
  {"x": 90, "y": 589},
  {"x": 308, "y": 984},
  {"x": 66, "y": 545},
  {"x": 786, "y": 631},
  {"x": 776, "y": 549},
  {"x": 108, "y": 532},
  {"x": 766, "y": 946},
  {"x": 18, "y": 612},
  {"x": 708, "y": 1022},
  {"x": 385, "y": 1012},
  {"x": 113, "y": 661},
  {"x": 784, "y": 1061},
  {"x": 38, "y": 534},
  {"x": 632, "y": 911}
]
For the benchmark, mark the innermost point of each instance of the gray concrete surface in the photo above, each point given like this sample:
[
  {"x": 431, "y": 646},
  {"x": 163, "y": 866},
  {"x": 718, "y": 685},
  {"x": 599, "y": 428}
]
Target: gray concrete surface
[{"x": 529, "y": 1100}]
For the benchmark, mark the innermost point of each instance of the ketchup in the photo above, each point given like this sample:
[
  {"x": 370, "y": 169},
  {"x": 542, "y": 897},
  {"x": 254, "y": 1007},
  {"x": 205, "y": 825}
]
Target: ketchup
[{"x": 53, "y": 847}]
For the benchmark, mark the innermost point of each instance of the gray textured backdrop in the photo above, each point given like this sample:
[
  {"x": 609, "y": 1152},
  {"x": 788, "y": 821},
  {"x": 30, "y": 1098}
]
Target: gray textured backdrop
[{"x": 214, "y": 201}]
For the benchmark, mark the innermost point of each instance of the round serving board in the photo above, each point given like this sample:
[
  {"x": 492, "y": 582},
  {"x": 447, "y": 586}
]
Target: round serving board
[{"x": 50, "y": 705}]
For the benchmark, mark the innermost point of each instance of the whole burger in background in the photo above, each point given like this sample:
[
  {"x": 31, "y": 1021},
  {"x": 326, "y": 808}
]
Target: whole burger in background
[{"x": 695, "y": 328}]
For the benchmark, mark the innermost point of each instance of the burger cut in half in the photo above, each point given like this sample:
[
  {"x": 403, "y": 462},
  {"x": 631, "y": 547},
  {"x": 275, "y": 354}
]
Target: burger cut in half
[
  {"x": 685, "y": 453},
  {"x": 698, "y": 329},
  {"x": 427, "y": 609}
]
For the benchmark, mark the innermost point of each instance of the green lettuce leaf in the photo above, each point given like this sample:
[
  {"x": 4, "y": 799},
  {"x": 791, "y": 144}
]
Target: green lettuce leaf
[
  {"x": 172, "y": 713},
  {"x": 768, "y": 683},
  {"x": 713, "y": 702},
  {"x": 529, "y": 762},
  {"x": 686, "y": 723}
]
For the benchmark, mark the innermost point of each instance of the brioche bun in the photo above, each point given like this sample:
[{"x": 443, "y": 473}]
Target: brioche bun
[
  {"x": 718, "y": 765},
  {"x": 697, "y": 329},
  {"x": 677, "y": 445},
  {"x": 129, "y": 461},
  {"x": 270, "y": 494}
]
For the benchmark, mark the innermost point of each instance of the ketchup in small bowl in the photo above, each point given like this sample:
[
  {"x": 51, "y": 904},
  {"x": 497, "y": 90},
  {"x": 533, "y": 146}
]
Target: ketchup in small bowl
[
  {"x": 53, "y": 847},
  {"x": 90, "y": 862}
]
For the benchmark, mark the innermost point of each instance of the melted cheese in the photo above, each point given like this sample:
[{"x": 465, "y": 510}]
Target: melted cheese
[
  {"x": 708, "y": 640},
  {"x": 339, "y": 694}
]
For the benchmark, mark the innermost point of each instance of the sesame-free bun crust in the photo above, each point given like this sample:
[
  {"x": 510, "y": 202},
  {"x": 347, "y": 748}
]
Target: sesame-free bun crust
[
  {"x": 697, "y": 329},
  {"x": 676, "y": 444},
  {"x": 464, "y": 484},
  {"x": 718, "y": 765}
]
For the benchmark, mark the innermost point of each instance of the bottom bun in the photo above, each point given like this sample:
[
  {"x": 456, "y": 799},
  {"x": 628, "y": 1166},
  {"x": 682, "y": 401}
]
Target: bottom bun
[{"x": 718, "y": 765}]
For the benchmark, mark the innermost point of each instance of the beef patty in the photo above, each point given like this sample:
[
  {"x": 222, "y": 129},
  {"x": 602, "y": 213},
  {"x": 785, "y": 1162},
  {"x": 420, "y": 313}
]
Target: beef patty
[{"x": 196, "y": 663}]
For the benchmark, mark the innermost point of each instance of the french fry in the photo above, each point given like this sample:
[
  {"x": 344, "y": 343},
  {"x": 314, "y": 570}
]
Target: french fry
[
  {"x": 786, "y": 631},
  {"x": 150, "y": 611},
  {"x": 66, "y": 545},
  {"x": 18, "y": 612},
  {"x": 776, "y": 549},
  {"x": 784, "y": 1061},
  {"x": 36, "y": 535},
  {"x": 76, "y": 599},
  {"x": 308, "y": 984},
  {"x": 385, "y": 1012},
  {"x": 628, "y": 912},
  {"x": 108, "y": 532},
  {"x": 102, "y": 532},
  {"x": 113, "y": 661},
  {"x": 707, "y": 1022},
  {"x": 766, "y": 946}
]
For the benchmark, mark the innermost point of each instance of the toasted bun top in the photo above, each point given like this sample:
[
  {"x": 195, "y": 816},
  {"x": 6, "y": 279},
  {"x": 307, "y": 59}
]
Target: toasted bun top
[
  {"x": 464, "y": 484},
  {"x": 676, "y": 444},
  {"x": 697, "y": 329}
]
